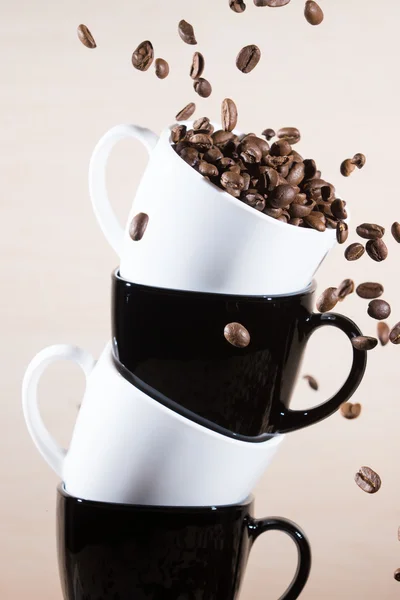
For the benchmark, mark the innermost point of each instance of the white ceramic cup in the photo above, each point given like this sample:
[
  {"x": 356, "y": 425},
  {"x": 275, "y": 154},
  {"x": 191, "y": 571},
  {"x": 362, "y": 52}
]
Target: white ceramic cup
[
  {"x": 198, "y": 237},
  {"x": 128, "y": 448}
]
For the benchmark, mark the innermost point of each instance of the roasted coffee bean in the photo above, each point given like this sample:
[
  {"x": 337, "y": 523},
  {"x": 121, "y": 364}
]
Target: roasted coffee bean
[
  {"x": 248, "y": 58},
  {"x": 327, "y": 194},
  {"x": 296, "y": 222},
  {"x": 347, "y": 167},
  {"x": 328, "y": 300},
  {"x": 138, "y": 226},
  {"x": 370, "y": 231},
  {"x": 180, "y": 146},
  {"x": 178, "y": 133},
  {"x": 345, "y": 289},
  {"x": 310, "y": 168},
  {"x": 246, "y": 180},
  {"x": 162, "y": 68},
  {"x": 274, "y": 213},
  {"x": 301, "y": 211},
  {"x": 338, "y": 209},
  {"x": 297, "y": 158},
  {"x": 377, "y": 250},
  {"x": 235, "y": 169},
  {"x": 226, "y": 163},
  {"x": 313, "y": 13},
  {"x": 190, "y": 156},
  {"x": 237, "y": 335},
  {"x": 312, "y": 382},
  {"x": 250, "y": 152},
  {"x": 285, "y": 217},
  {"x": 232, "y": 182},
  {"x": 363, "y": 342},
  {"x": 290, "y": 134},
  {"x": 281, "y": 148},
  {"x": 202, "y": 124},
  {"x": 143, "y": 56},
  {"x": 369, "y": 290},
  {"x": 197, "y": 67},
  {"x": 269, "y": 134},
  {"x": 202, "y": 87},
  {"x": 282, "y": 196},
  {"x": 86, "y": 37},
  {"x": 213, "y": 155},
  {"x": 396, "y": 231},
  {"x": 350, "y": 411},
  {"x": 237, "y": 6},
  {"x": 342, "y": 232},
  {"x": 271, "y": 3},
  {"x": 222, "y": 138},
  {"x": 379, "y": 309},
  {"x": 368, "y": 480},
  {"x": 395, "y": 334},
  {"x": 254, "y": 200},
  {"x": 384, "y": 333},
  {"x": 303, "y": 200},
  {"x": 331, "y": 222},
  {"x": 201, "y": 141},
  {"x": 354, "y": 251},
  {"x": 186, "y": 112},
  {"x": 262, "y": 144},
  {"x": 229, "y": 115},
  {"x": 186, "y": 32},
  {"x": 397, "y": 575},
  {"x": 207, "y": 169},
  {"x": 314, "y": 221},
  {"x": 359, "y": 160}
]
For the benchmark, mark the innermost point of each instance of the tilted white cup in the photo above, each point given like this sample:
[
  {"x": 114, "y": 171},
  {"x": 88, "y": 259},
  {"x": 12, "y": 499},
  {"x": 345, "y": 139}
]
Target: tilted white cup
[
  {"x": 128, "y": 448},
  {"x": 198, "y": 237}
]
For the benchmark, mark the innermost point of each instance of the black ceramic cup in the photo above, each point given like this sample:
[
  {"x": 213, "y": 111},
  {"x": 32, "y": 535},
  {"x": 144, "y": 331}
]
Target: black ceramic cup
[
  {"x": 126, "y": 552},
  {"x": 171, "y": 345}
]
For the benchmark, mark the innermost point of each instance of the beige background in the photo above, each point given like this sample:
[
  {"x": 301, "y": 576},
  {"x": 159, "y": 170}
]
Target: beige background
[{"x": 339, "y": 84}]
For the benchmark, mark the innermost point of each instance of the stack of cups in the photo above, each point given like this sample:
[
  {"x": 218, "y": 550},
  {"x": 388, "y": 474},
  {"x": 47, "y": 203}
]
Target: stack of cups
[{"x": 189, "y": 402}]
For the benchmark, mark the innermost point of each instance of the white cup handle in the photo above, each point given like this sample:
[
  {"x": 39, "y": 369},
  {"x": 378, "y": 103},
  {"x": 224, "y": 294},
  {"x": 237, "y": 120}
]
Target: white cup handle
[
  {"x": 51, "y": 451},
  {"x": 103, "y": 210}
]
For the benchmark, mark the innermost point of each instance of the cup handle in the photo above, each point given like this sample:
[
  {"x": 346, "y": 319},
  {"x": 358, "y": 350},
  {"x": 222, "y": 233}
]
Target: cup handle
[
  {"x": 297, "y": 419},
  {"x": 103, "y": 210},
  {"x": 258, "y": 526},
  {"x": 51, "y": 451}
]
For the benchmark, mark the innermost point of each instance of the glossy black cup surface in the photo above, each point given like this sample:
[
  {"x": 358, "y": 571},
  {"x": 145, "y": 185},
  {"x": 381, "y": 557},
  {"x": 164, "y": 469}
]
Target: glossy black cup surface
[
  {"x": 171, "y": 345},
  {"x": 126, "y": 552}
]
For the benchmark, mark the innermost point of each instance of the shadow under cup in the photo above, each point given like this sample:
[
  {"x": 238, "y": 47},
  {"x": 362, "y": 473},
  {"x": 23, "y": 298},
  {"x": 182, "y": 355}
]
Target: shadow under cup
[
  {"x": 171, "y": 345},
  {"x": 126, "y": 552}
]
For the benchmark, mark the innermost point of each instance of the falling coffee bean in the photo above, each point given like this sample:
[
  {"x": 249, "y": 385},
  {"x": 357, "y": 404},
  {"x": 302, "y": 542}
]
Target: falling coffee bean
[
  {"x": 202, "y": 87},
  {"x": 328, "y": 300},
  {"x": 363, "y": 342},
  {"x": 379, "y": 309},
  {"x": 197, "y": 68},
  {"x": 143, "y": 56},
  {"x": 369, "y": 290},
  {"x": 359, "y": 160},
  {"x": 354, "y": 251},
  {"x": 350, "y": 411},
  {"x": 229, "y": 115},
  {"x": 248, "y": 58},
  {"x": 186, "y": 112},
  {"x": 162, "y": 68},
  {"x": 86, "y": 37},
  {"x": 383, "y": 333},
  {"x": 312, "y": 382},
  {"x": 291, "y": 134},
  {"x": 345, "y": 289},
  {"x": 397, "y": 574},
  {"x": 368, "y": 480},
  {"x": 186, "y": 32},
  {"x": 271, "y": 3},
  {"x": 377, "y": 250},
  {"x": 138, "y": 226},
  {"x": 269, "y": 134},
  {"x": 313, "y": 13},
  {"x": 237, "y": 335},
  {"x": 396, "y": 231},
  {"x": 395, "y": 334},
  {"x": 342, "y": 232},
  {"x": 238, "y": 6},
  {"x": 347, "y": 167},
  {"x": 370, "y": 231}
]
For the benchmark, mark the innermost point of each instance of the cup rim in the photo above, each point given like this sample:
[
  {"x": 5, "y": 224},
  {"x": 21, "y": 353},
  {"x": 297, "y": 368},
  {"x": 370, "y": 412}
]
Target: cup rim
[
  {"x": 310, "y": 289},
  {"x": 247, "y": 502},
  {"x": 302, "y": 231}
]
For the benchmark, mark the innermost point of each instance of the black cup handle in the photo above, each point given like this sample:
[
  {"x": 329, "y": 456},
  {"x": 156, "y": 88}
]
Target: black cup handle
[
  {"x": 258, "y": 526},
  {"x": 297, "y": 419}
]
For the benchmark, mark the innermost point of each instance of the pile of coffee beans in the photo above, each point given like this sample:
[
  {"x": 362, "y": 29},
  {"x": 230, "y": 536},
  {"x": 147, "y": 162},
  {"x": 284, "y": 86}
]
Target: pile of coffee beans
[{"x": 273, "y": 179}]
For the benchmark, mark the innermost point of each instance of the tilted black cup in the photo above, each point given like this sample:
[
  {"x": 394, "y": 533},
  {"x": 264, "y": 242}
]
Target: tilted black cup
[
  {"x": 171, "y": 345},
  {"x": 127, "y": 552}
]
